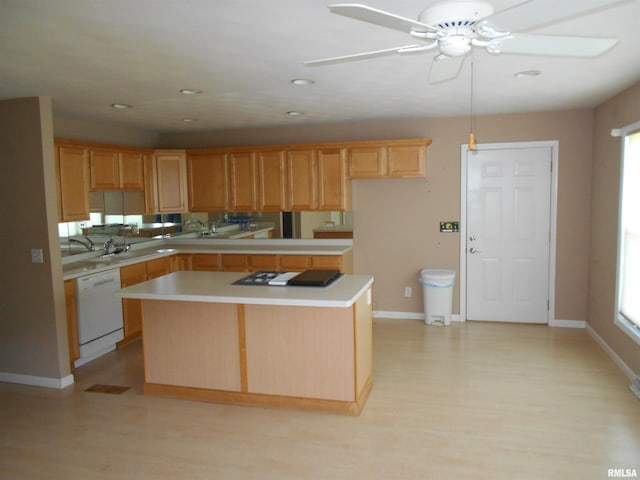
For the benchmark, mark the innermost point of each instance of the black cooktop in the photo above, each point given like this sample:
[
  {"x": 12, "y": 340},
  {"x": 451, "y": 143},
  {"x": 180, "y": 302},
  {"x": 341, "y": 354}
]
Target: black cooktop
[{"x": 308, "y": 278}]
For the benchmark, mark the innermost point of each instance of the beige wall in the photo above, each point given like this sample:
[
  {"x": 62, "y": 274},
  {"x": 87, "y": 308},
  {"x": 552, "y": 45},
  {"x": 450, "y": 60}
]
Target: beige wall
[
  {"x": 396, "y": 222},
  {"x": 620, "y": 111},
  {"x": 33, "y": 340},
  {"x": 103, "y": 133}
]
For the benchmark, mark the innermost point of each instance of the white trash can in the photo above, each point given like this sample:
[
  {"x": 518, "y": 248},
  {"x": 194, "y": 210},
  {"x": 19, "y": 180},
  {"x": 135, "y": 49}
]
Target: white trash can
[{"x": 438, "y": 295}]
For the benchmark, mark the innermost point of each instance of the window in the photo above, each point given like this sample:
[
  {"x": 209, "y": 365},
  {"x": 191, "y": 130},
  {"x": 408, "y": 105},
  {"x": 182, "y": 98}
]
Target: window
[{"x": 628, "y": 300}]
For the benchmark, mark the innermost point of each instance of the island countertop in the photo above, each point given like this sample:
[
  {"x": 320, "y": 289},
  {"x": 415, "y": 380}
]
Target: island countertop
[{"x": 218, "y": 287}]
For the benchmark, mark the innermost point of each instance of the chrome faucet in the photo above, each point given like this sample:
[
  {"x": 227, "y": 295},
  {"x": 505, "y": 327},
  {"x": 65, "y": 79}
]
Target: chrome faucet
[
  {"x": 91, "y": 246},
  {"x": 107, "y": 246}
]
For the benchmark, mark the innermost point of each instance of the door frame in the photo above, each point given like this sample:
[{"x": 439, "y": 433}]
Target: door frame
[{"x": 553, "y": 144}]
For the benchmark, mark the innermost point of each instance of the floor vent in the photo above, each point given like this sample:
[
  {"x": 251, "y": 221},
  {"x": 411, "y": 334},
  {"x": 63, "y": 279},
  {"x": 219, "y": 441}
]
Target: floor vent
[{"x": 114, "y": 389}]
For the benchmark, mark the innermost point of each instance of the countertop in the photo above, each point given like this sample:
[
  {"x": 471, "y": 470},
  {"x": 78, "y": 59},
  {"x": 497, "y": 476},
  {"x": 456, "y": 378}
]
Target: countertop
[
  {"x": 218, "y": 287},
  {"x": 91, "y": 262}
]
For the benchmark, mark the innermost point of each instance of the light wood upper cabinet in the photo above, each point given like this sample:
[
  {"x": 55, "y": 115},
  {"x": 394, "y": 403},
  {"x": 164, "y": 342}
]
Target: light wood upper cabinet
[
  {"x": 406, "y": 161},
  {"x": 242, "y": 181},
  {"x": 131, "y": 165},
  {"x": 116, "y": 169},
  {"x": 334, "y": 192},
  {"x": 367, "y": 162},
  {"x": 208, "y": 182},
  {"x": 301, "y": 180},
  {"x": 389, "y": 159},
  {"x": 104, "y": 168},
  {"x": 73, "y": 175},
  {"x": 171, "y": 180},
  {"x": 272, "y": 183}
]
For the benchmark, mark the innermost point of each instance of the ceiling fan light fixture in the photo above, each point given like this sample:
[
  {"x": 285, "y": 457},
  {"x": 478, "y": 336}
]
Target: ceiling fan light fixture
[
  {"x": 303, "y": 81},
  {"x": 528, "y": 74},
  {"x": 455, "y": 46}
]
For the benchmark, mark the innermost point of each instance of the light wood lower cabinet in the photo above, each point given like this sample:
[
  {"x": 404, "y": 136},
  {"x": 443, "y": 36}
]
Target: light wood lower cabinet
[
  {"x": 72, "y": 321},
  {"x": 132, "y": 308},
  {"x": 206, "y": 262},
  {"x": 158, "y": 267},
  {"x": 180, "y": 261}
]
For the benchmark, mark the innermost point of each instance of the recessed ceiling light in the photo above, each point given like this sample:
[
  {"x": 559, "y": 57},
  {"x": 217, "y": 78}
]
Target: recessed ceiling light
[
  {"x": 528, "y": 73},
  {"x": 294, "y": 113},
  {"x": 190, "y": 91},
  {"x": 189, "y": 120},
  {"x": 302, "y": 81},
  {"x": 121, "y": 106}
]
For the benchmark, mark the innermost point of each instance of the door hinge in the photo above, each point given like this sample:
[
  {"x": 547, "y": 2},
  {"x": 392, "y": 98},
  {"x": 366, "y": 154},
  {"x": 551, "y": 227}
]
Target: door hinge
[{"x": 547, "y": 305}]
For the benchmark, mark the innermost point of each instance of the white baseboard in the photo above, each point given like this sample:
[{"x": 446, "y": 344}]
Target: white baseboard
[
  {"x": 567, "y": 323},
  {"x": 35, "y": 381},
  {"x": 406, "y": 315},
  {"x": 630, "y": 374}
]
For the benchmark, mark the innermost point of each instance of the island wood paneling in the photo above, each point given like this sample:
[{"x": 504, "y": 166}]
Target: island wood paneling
[
  {"x": 362, "y": 313},
  {"x": 300, "y": 351},
  {"x": 192, "y": 344}
]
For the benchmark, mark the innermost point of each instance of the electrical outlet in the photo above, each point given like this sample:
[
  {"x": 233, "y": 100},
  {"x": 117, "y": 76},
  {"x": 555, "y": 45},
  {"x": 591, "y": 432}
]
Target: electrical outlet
[{"x": 407, "y": 292}]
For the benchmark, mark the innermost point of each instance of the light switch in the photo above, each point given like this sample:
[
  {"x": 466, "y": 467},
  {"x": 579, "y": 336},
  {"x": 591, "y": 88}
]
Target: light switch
[{"x": 37, "y": 256}]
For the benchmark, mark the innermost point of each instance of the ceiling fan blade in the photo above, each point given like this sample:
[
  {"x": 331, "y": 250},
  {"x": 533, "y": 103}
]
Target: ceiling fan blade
[
  {"x": 364, "y": 56},
  {"x": 536, "y": 13},
  {"x": 384, "y": 19},
  {"x": 445, "y": 68},
  {"x": 553, "y": 45}
]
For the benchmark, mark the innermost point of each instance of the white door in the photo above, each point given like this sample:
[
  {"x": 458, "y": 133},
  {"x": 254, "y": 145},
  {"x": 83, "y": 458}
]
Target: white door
[{"x": 508, "y": 205}]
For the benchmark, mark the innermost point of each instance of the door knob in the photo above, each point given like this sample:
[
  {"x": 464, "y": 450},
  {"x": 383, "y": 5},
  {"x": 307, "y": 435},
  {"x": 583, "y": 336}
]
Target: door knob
[{"x": 474, "y": 250}]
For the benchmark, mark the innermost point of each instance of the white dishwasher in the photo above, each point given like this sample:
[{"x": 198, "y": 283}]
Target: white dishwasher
[{"x": 99, "y": 314}]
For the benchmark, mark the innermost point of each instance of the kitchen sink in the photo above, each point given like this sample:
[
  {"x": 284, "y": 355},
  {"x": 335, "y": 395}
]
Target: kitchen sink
[{"x": 113, "y": 258}]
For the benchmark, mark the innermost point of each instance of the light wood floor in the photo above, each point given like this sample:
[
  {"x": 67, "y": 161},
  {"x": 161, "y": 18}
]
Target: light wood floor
[{"x": 470, "y": 401}]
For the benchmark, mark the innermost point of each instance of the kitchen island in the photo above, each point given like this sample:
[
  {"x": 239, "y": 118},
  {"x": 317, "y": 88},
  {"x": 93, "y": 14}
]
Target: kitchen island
[{"x": 205, "y": 338}]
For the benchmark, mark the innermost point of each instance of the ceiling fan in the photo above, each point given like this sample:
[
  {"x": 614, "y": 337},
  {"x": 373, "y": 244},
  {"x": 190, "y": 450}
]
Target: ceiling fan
[{"x": 454, "y": 27}]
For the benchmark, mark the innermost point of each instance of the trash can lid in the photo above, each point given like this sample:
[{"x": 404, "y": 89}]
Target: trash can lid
[{"x": 437, "y": 274}]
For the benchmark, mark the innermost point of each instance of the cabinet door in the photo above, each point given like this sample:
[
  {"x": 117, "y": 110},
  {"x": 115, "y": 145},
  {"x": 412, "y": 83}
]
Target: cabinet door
[
  {"x": 406, "y": 161},
  {"x": 235, "y": 263},
  {"x": 208, "y": 182},
  {"x": 271, "y": 181},
  {"x": 150, "y": 186},
  {"x": 132, "y": 308},
  {"x": 171, "y": 172},
  {"x": 264, "y": 262},
  {"x": 180, "y": 262},
  {"x": 104, "y": 166},
  {"x": 301, "y": 180},
  {"x": 327, "y": 262},
  {"x": 295, "y": 263},
  {"x": 158, "y": 267},
  {"x": 242, "y": 182},
  {"x": 367, "y": 162},
  {"x": 131, "y": 171},
  {"x": 333, "y": 186},
  {"x": 73, "y": 168},
  {"x": 72, "y": 320},
  {"x": 206, "y": 262}
]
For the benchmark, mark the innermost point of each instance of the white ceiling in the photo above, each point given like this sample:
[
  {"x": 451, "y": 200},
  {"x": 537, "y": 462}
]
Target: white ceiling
[{"x": 88, "y": 54}]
